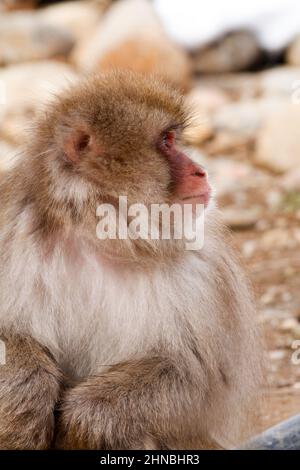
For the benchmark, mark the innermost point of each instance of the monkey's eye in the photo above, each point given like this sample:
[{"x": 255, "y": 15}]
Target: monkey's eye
[{"x": 168, "y": 140}]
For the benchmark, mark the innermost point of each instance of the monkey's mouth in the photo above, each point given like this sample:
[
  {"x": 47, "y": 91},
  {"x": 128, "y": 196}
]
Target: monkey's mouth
[{"x": 202, "y": 198}]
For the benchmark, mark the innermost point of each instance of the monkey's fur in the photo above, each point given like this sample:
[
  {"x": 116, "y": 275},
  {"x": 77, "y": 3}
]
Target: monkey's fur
[{"x": 130, "y": 344}]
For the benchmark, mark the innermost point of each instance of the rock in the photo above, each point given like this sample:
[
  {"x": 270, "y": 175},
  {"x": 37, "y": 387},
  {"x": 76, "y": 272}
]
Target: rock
[
  {"x": 291, "y": 325},
  {"x": 236, "y": 85},
  {"x": 78, "y": 18},
  {"x": 230, "y": 177},
  {"x": 269, "y": 296},
  {"x": 206, "y": 99},
  {"x": 199, "y": 130},
  {"x": 280, "y": 81},
  {"x": 131, "y": 37},
  {"x": 278, "y": 239},
  {"x": 293, "y": 52},
  {"x": 249, "y": 247},
  {"x": 232, "y": 53},
  {"x": 24, "y": 36},
  {"x": 278, "y": 143},
  {"x": 291, "y": 180},
  {"x": 240, "y": 219},
  {"x": 246, "y": 117},
  {"x": 277, "y": 355},
  {"x": 225, "y": 143},
  {"x": 25, "y": 88},
  {"x": 9, "y": 5},
  {"x": 273, "y": 198}
]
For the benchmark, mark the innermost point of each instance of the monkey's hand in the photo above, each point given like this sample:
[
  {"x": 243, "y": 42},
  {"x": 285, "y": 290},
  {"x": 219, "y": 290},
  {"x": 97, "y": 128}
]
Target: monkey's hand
[
  {"x": 30, "y": 383},
  {"x": 143, "y": 404}
]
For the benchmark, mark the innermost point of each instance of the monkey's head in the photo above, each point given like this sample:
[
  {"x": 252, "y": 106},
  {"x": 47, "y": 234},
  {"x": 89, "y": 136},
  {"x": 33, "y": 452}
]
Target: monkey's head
[{"x": 119, "y": 135}]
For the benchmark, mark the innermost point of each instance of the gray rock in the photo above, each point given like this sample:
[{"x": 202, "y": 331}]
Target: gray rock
[
  {"x": 77, "y": 18},
  {"x": 24, "y": 36},
  {"x": 235, "y": 52}
]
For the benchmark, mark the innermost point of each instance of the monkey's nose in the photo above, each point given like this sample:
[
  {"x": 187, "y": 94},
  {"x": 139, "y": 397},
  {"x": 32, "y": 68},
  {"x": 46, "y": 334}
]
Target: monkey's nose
[{"x": 198, "y": 170}]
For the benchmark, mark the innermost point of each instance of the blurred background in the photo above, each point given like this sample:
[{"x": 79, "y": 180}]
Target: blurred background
[{"x": 238, "y": 64}]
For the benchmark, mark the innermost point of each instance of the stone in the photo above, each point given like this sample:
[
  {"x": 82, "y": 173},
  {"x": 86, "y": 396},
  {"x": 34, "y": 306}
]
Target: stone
[
  {"x": 78, "y": 18},
  {"x": 281, "y": 81},
  {"x": 131, "y": 37},
  {"x": 245, "y": 117},
  {"x": 293, "y": 52},
  {"x": 206, "y": 99},
  {"x": 291, "y": 325},
  {"x": 234, "y": 52},
  {"x": 24, "y": 90},
  {"x": 230, "y": 176},
  {"x": 24, "y": 36},
  {"x": 278, "y": 142},
  {"x": 277, "y": 354},
  {"x": 290, "y": 181},
  {"x": 240, "y": 219},
  {"x": 200, "y": 126},
  {"x": 243, "y": 85}
]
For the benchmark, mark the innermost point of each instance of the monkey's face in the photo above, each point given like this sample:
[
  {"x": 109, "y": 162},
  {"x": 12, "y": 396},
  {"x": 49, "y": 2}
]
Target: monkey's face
[{"x": 121, "y": 135}]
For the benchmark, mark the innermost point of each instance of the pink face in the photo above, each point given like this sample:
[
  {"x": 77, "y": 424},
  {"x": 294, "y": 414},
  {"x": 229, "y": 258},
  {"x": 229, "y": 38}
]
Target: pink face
[{"x": 190, "y": 179}]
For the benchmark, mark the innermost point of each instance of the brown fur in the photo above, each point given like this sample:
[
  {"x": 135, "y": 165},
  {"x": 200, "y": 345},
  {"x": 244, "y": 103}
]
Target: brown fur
[
  {"x": 186, "y": 358},
  {"x": 30, "y": 385},
  {"x": 130, "y": 405}
]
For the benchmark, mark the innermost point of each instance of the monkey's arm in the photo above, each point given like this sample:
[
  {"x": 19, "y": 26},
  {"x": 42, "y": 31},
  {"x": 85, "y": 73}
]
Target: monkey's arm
[
  {"x": 30, "y": 383},
  {"x": 146, "y": 404}
]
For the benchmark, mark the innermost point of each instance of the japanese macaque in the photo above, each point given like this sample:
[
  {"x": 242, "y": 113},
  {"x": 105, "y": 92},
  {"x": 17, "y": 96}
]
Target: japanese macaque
[{"x": 118, "y": 344}]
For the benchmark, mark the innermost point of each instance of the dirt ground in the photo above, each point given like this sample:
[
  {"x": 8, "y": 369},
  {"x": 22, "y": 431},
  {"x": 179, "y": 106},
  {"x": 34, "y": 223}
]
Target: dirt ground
[{"x": 271, "y": 253}]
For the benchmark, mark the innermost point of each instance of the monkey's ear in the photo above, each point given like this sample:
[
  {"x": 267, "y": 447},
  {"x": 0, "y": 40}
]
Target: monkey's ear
[{"x": 77, "y": 144}]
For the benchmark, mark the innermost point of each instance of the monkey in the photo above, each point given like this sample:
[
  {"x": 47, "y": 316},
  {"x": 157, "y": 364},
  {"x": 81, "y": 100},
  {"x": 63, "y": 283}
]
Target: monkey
[{"x": 118, "y": 343}]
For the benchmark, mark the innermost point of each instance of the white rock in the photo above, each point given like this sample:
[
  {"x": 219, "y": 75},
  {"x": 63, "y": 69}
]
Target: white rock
[
  {"x": 205, "y": 99},
  {"x": 79, "y": 18},
  {"x": 291, "y": 180},
  {"x": 277, "y": 355},
  {"x": 290, "y": 324},
  {"x": 25, "y": 36},
  {"x": 230, "y": 177},
  {"x": 130, "y": 36},
  {"x": 24, "y": 90},
  {"x": 240, "y": 219},
  {"x": 281, "y": 81},
  {"x": 278, "y": 144},
  {"x": 245, "y": 117}
]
